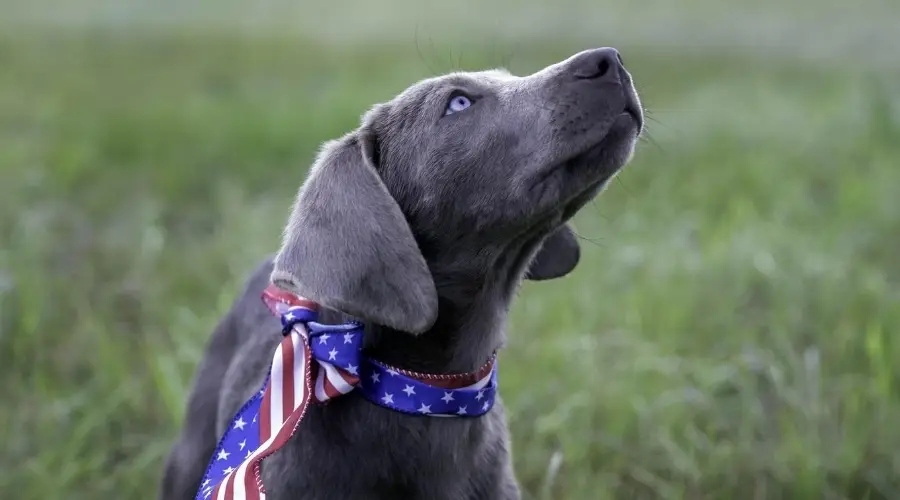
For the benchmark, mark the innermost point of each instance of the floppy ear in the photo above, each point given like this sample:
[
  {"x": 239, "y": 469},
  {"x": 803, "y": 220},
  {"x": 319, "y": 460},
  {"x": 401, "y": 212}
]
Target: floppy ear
[
  {"x": 348, "y": 246},
  {"x": 558, "y": 255}
]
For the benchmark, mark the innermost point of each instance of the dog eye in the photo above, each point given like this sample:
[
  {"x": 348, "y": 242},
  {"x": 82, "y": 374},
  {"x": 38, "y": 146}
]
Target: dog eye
[{"x": 457, "y": 103}]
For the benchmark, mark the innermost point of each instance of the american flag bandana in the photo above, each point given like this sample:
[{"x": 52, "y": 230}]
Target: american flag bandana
[{"x": 316, "y": 362}]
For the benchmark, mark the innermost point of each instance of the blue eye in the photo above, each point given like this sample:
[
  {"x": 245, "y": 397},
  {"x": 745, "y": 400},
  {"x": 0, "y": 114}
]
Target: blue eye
[{"x": 457, "y": 104}]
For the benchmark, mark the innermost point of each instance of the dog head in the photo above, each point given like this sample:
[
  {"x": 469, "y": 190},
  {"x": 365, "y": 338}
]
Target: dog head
[{"x": 461, "y": 182}]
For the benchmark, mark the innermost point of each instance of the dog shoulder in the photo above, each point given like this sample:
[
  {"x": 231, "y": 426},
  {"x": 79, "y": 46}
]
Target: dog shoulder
[{"x": 249, "y": 306}]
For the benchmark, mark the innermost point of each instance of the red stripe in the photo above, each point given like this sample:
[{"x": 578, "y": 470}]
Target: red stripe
[
  {"x": 229, "y": 486},
  {"x": 215, "y": 491},
  {"x": 287, "y": 428},
  {"x": 274, "y": 294},
  {"x": 251, "y": 486},
  {"x": 312, "y": 306},
  {"x": 313, "y": 372},
  {"x": 265, "y": 410},
  {"x": 287, "y": 379},
  {"x": 347, "y": 378},
  {"x": 453, "y": 381},
  {"x": 282, "y": 437},
  {"x": 330, "y": 390},
  {"x": 448, "y": 384}
]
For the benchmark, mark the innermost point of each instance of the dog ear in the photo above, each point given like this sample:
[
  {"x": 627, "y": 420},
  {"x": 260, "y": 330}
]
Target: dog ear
[
  {"x": 348, "y": 246},
  {"x": 557, "y": 257}
]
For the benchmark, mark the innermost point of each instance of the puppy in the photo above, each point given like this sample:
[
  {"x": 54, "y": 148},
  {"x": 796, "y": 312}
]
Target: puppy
[{"x": 418, "y": 226}]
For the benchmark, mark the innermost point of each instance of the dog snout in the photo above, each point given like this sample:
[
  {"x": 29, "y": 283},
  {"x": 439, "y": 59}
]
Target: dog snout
[{"x": 602, "y": 65}]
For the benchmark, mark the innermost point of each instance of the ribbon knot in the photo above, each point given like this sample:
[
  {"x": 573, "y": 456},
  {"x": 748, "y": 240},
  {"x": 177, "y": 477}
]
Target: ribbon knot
[
  {"x": 294, "y": 315},
  {"x": 316, "y": 362}
]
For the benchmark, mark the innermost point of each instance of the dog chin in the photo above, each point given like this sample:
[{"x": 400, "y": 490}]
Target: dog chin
[
  {"x": 613, "y": 152},
  {"x": 605, "y": 159},
  {"x": 617, "y": 147}
]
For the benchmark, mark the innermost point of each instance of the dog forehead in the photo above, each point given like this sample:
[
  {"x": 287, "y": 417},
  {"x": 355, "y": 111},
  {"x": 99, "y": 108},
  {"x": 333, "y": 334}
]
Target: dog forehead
[
  {"x": 490, "y": 78},
  {"x": 428, "y": 89},
  {"x": 419, "y": 101}
]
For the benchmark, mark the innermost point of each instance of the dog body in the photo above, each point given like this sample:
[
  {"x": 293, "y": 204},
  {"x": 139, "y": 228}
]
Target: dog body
[{"x": 421, "y": 223}]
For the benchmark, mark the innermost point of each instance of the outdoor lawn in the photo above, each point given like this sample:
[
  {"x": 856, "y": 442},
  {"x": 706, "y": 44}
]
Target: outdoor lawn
[{"x": 733, "y": 328}]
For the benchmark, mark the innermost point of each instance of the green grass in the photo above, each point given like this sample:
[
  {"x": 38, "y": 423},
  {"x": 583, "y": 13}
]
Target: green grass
[{"x": 729, "y": 334}]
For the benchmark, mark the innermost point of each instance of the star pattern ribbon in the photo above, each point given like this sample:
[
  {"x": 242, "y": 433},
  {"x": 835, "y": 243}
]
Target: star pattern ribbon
[{"x": 315, "y": 363}]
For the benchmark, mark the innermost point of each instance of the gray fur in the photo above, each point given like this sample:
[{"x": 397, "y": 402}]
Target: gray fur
[{"x": 422, "y": 225}]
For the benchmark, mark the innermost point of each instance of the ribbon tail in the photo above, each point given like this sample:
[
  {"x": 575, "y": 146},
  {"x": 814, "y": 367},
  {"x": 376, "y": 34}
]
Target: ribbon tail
[
  {"x": 289, "y": 427},
  {"x": 285, "y": 402}
]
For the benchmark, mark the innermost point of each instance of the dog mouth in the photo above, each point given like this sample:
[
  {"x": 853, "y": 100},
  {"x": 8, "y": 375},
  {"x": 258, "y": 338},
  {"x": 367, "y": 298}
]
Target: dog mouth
[
  {"x": 600, "y": 153},
  {"x": 633, "y": 110},
  {"x": 571, "y": 182}
]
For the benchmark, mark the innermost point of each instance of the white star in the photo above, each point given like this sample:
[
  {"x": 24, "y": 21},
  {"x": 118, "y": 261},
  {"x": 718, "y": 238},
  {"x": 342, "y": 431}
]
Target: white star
[
  {"x": 248, "y": 454},
  {"x": 242, "y": 444},
  {"x": 324, "y": 338},
  {"x": 462, "y": 410},
  {"x": 479, "y": 395},
  {"x": 409, "y": 390},
  {"x": 448, "y": 396},
  {"x": 375, "y": 377},
  {"x": 487, "y": 405},
  {"x": 348, "y": 338},
  {"x": 239, "y": 423},
  {"x": 352, "y": 369},
  {"x": 388, "y": 398},
  {"x": 332, "y": 353},
  {"x": 254, "y": 417},
  {"x": 392, "y": 372},
  {"x": 206, "y": 482},
  {"x": 425, "y": 408},
  {"x": 228, "y": 471},
  {"x": 289, "y": 316},
  {"x": 208, "y": 493},
  {"x": 223, "y": 455}
]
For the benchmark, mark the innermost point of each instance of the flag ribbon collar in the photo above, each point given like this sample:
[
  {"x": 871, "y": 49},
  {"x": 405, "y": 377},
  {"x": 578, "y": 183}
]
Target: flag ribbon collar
[{"x": 315, "y": 363}]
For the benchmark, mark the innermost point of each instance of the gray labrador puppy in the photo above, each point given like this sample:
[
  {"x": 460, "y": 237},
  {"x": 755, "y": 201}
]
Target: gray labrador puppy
[{"x": 421, "y": 223}]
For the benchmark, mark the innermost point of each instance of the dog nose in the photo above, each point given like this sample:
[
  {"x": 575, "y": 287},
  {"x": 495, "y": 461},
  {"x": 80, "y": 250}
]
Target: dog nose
[{"x": 598, "y": 64}]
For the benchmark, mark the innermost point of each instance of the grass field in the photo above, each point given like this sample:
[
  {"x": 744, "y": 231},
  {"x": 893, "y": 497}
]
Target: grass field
[{"x": 731, "y": 332}]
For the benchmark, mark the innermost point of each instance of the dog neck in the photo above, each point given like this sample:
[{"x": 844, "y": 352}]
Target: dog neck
[
  {"x": 473, "y": 310},
  {"x": 469, "y": 328},
  {"x": 474, "y": 299}
]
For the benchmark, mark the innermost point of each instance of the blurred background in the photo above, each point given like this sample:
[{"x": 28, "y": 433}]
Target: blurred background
[{"x": 731, "y": 331}]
